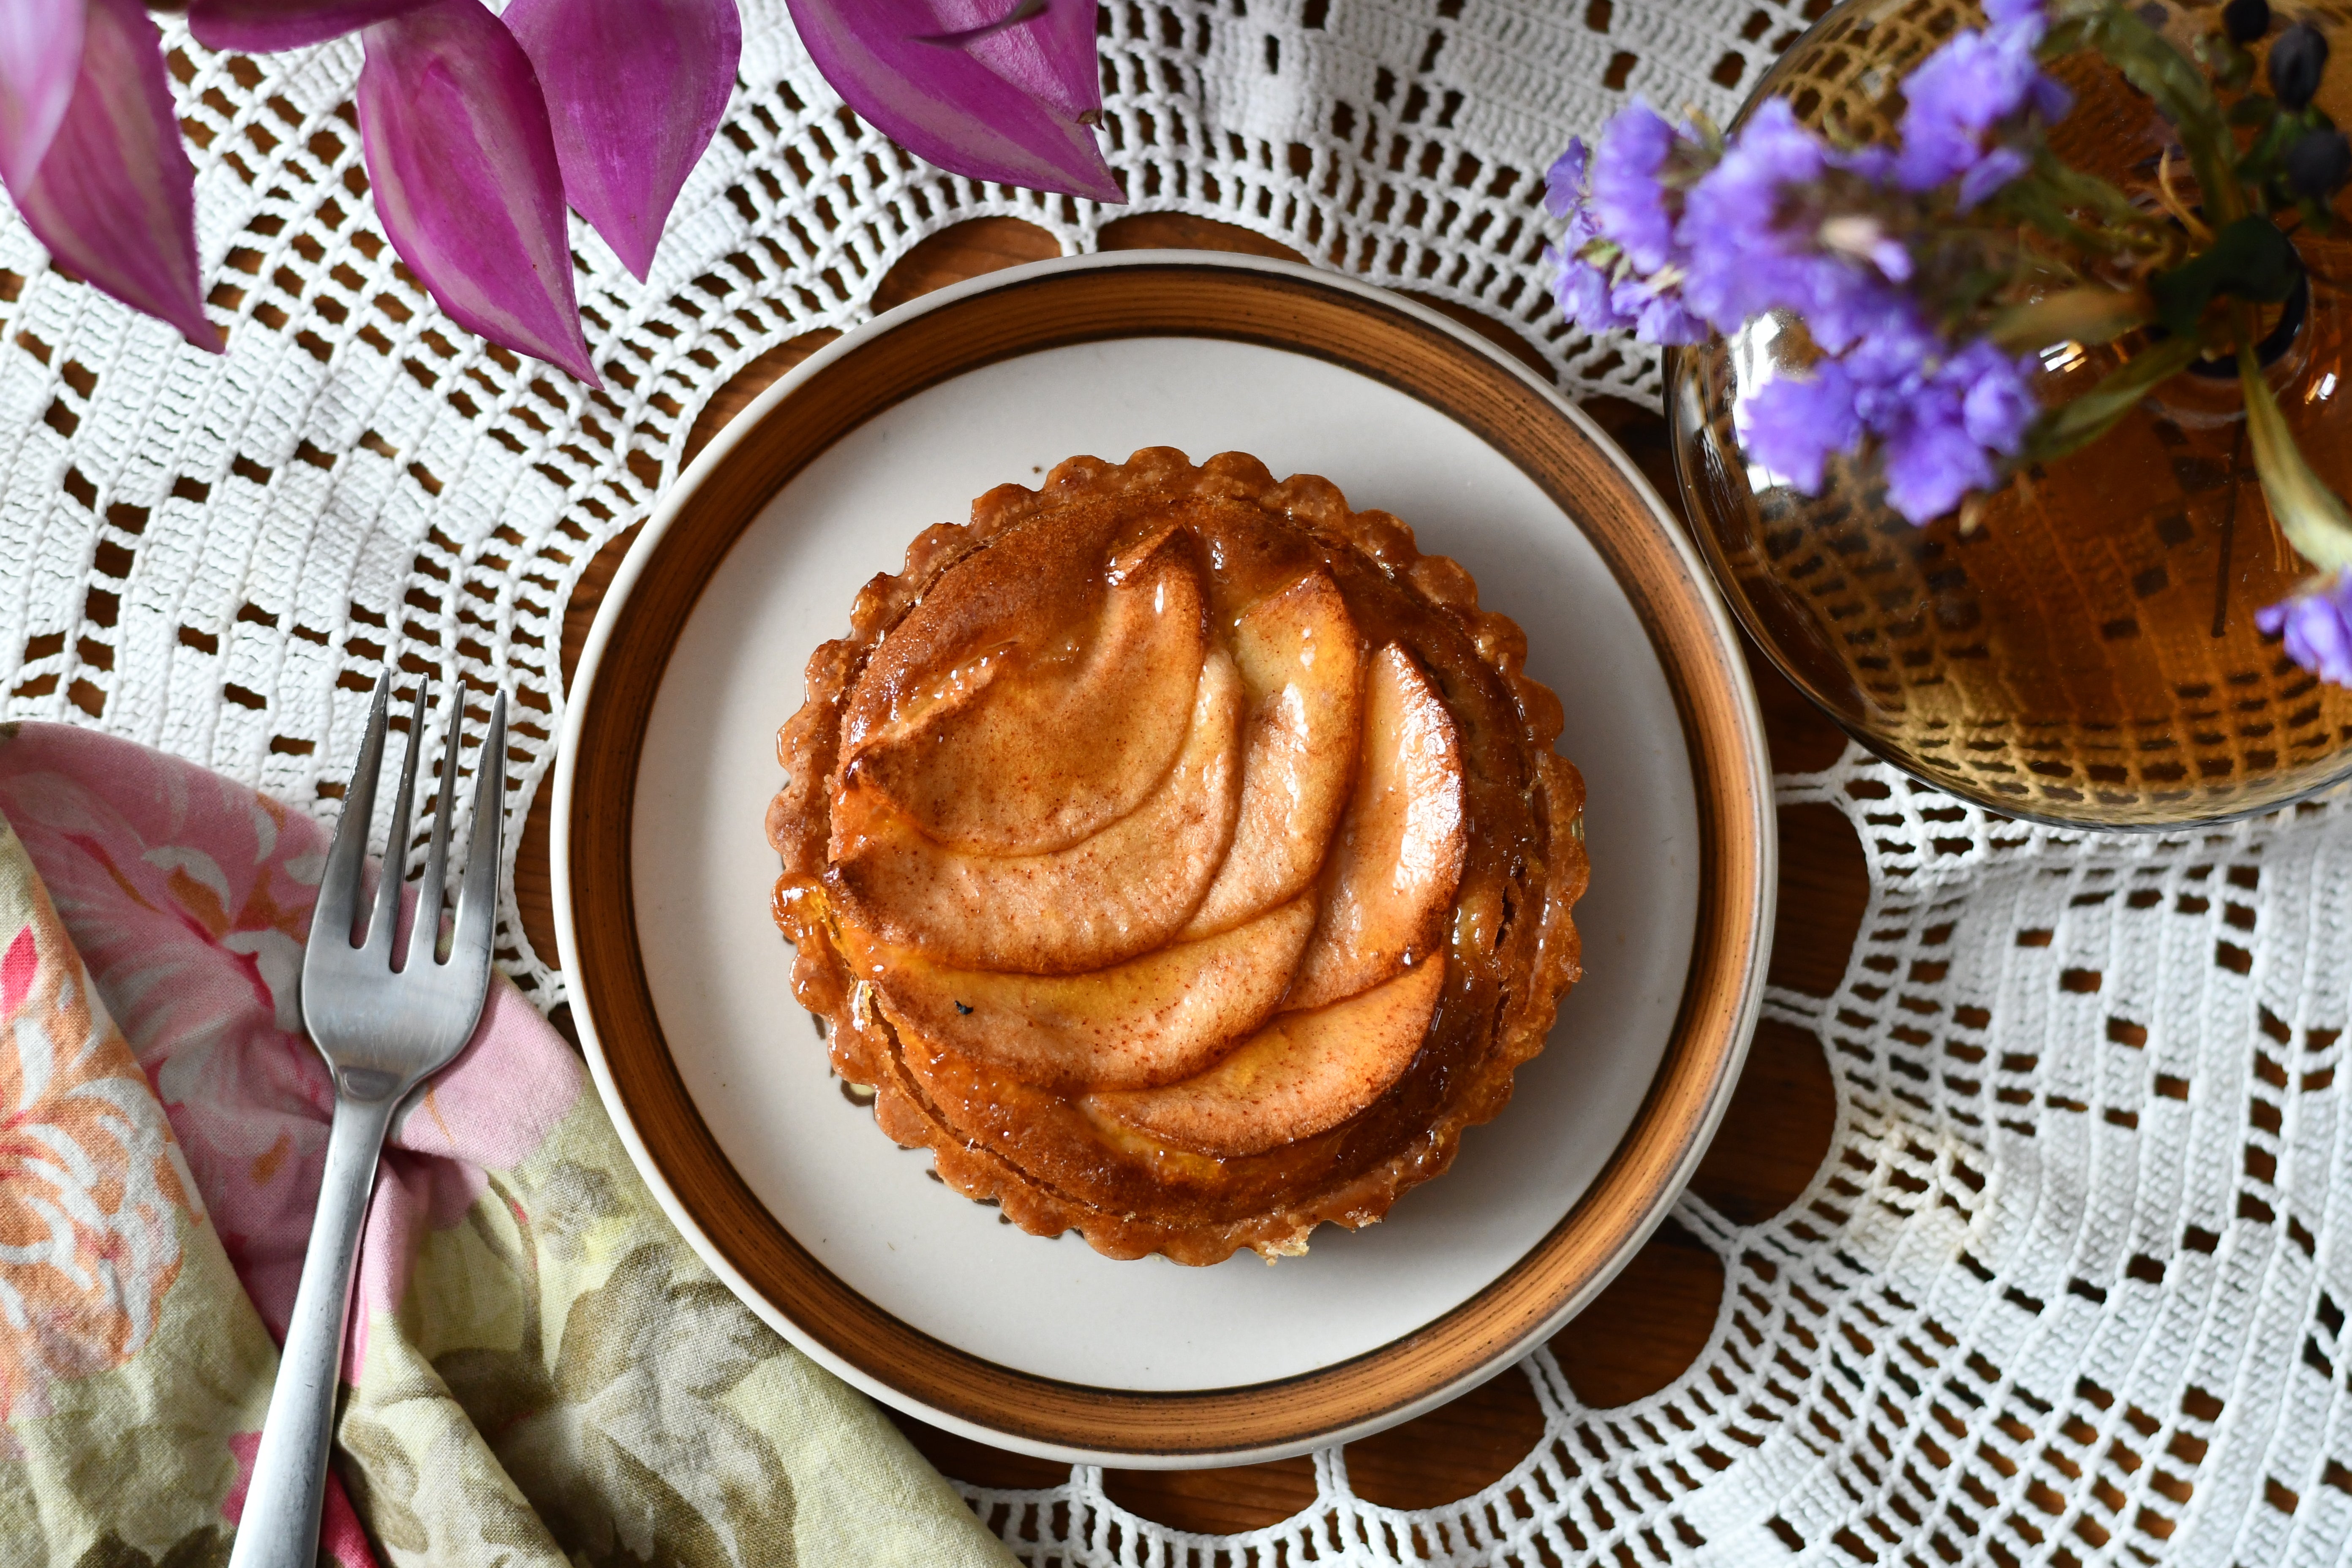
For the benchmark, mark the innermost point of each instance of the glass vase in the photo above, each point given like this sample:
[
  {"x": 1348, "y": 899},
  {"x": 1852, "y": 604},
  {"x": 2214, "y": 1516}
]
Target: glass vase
[{"x": 2083, "y": 651}]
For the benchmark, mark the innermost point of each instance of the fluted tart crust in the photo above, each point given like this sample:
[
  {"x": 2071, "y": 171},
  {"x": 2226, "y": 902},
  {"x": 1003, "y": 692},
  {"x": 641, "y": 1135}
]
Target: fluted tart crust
[{"x": 1178, "y": 855}]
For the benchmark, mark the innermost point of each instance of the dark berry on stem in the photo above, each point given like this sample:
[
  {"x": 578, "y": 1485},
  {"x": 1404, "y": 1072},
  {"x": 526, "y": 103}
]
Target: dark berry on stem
[
  {"x": 2318, "y": 163},
  {"x": 2246, "y": 20},
  {"x": 2298, "y": 59}
]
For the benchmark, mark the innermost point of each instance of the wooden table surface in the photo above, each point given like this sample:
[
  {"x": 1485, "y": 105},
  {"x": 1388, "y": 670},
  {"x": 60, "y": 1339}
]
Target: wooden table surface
[{"x": 1653, "y": 1319}]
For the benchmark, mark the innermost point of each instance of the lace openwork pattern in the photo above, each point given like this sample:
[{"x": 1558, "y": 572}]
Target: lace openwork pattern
[
  {"x": 220, "y": 556},
  {"x": 2067, "y": 1288}
]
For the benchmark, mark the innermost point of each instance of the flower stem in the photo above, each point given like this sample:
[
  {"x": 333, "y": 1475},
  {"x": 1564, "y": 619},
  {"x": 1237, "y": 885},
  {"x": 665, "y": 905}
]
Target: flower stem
[
  {"x": 2092, "y": 313},
  {"x": 2080, "y": 421},
  {"x": 2182, "y": 94},
  {"x": 2306, "y": 511}
]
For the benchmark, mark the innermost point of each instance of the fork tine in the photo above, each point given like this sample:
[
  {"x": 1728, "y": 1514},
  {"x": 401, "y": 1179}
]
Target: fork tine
[
  {"x": 339, "y": 886},
  {"x": 478, "y": 903},
  {"x": 427, "y": 929},
  {"x": 385, "y": 921}
]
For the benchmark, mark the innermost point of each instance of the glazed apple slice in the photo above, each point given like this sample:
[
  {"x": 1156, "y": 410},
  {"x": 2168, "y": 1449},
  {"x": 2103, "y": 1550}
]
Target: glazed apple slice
[
  {"x": 1152, "y": 1020},
  {"x": 1113, "y": 895},
  {"x": 1303, "y": 1073},
  {"x": 1033, "y": 581},
  {"x": 1298, "y": 654},
  {"x": 1051, "y": 736},
  {"x": 1398, "y": 858}
]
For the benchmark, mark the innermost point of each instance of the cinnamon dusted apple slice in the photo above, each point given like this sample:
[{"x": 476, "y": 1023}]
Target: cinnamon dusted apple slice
[
  {"x": 1032, "y": 582},
  {"x": 1113, "y": 895},
  {"x": 1303, "y": 1073},
  {"x": 1397, "y": 859},
  {"x": 1019, "y": 759},
  {"x": 1152, "y": 1020},
  {"x": 1297, "y": 655}
]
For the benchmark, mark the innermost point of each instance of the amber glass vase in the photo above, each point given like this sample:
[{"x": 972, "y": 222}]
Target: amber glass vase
[{"x": 2086, "y": 653}]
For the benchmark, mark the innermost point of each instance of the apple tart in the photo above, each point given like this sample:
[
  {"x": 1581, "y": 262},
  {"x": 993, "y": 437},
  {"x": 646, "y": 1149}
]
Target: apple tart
[{"x": 1178, "y": 855}]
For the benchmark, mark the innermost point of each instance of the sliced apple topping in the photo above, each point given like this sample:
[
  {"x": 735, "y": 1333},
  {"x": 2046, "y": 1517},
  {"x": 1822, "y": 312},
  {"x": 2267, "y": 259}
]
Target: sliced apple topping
[
  {"x": 1113, "y": 895},
  {"x": 1297, "y": 655},
  {"x": 1152, "y": 1020},
  {"x": 1018, "y": 756},
  {"x": 1398, "y": 858},
  {"x": 1303, "y": 1073},
  {"x": 1032, "y": 584}
]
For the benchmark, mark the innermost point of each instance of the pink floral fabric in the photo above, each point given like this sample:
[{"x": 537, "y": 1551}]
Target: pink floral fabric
[
  {"x": 542, "y": 1372},
  {"x": 190, "y": 896}
]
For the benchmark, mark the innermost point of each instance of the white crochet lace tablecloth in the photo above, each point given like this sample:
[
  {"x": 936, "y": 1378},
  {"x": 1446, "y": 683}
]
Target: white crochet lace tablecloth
[{"x": 2068, "y": 1288}]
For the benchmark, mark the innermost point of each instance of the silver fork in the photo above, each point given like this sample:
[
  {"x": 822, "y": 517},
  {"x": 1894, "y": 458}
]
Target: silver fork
[{"x": 384, "y": 1023}]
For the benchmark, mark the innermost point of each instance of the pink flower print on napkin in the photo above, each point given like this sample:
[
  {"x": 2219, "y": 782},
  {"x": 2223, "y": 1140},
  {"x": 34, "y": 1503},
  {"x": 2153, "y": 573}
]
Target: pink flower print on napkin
[
  {"x": 189, "y": 897},
  {"x": 91, "y": 1192}
]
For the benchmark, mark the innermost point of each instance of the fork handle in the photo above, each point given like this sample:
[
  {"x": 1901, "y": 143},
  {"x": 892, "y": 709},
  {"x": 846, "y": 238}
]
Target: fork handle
[{"x": 279, "y": 1528}]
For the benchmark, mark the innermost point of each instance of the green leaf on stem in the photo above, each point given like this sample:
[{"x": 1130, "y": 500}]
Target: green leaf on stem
[
  {"x": 2077, "y": 422},
  {"x": 2310, "y": 514},
  {"x": 2250, "y": 260},
  {"x": 2089, "y": 315},
  {"x": 2182, "y": 94},
  {"x": 2255, "y": 110}
]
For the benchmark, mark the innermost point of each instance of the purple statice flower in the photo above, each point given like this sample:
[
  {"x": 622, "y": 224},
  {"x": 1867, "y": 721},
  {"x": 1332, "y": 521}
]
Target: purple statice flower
[
  {"x": 2015, "y": 13},
  {"x": 1990, "y": 173},
  {"x": 1659, "y": 313},
  {"x": 1744, "y": 260},
  {"x": 2318, "y": 621},
  {"x": 1585, "y": 292},
  {"x": 1793, "y": 426},
  {"x": 1627, "y": 200},
  {"x": 1945, "y": 418},
  {"x": 1999, "y": 405},
  {"x": 1966, "y": 88},
  {"x": 1564, "y": 181},
  {"x": 1592, "y": 296}
]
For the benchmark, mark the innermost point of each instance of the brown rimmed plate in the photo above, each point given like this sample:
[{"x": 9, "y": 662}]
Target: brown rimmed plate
[{"x": 718, "y": 1081}]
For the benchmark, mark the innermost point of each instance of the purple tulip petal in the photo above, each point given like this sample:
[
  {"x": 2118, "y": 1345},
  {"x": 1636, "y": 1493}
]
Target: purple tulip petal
[
  {"x": 634, "y": 90},
  {"x": 1016, "y": 104},
  {"x": 259, "y": 26},
  {"x": 40, "y": 49},
  {"x": 466, "y": 177},
  {"x": 114, "y": 198}
]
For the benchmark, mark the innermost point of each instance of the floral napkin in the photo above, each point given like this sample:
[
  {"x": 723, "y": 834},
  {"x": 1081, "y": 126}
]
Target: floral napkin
[{"x": 541, "y": 1371}]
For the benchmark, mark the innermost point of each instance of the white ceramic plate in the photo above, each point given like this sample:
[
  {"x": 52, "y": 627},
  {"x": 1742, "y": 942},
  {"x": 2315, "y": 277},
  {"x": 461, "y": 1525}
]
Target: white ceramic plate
[{"x": 751, "y": 1061}]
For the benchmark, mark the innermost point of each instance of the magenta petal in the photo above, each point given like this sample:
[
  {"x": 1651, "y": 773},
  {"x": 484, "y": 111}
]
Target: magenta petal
[
  {"x": 466, "y": 177},
  {"x": 258, "y": 26},
  {"x": 634, "y": 90},
  {"x": 40, "y": 49},
  {"x": 1015, "y": 105},
  {"x": 114, "y": 198}
]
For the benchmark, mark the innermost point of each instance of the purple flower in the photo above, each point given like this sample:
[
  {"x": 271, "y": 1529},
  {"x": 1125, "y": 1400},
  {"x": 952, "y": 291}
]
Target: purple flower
[
  {"x": 1744, "y": 259},
  {"x": 2009, "y": 13},
  {"x": 1627, "y": 200},
  {"x": 1658, "y": 313},
  {"x": 1564, "y": 181},
  {"x": 2318, "y": 621},
  {"x": 1931, "y": 463},
  {"x": 1976, "y": 80},
  {"x": 1999, "y": 405},
  {"x": 1590, "y": 295},
  {"x": 1793, "y": 427},
  {"x": 1991, "y": 171},
  {"x": 1945, "y": 418},
  {"x": 1584, "y": 293}
]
